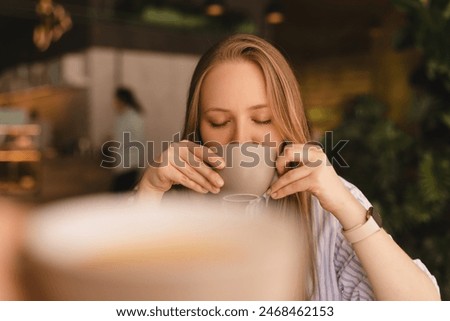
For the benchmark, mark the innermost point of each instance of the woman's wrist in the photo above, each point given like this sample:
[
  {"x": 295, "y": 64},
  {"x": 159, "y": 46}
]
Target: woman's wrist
[{"x": 350, "y": 212}]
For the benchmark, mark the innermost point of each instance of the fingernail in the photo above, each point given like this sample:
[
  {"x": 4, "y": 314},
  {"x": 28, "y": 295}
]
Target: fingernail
[
  {"x": 204, "y": 190},
  {"x": 274, "y": 195},
  {"x": 215, "y": 190},
  {"x": 219, "y": 182}
]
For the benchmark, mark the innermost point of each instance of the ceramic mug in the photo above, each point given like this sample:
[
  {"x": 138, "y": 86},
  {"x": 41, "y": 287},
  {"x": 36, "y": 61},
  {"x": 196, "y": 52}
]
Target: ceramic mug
[
  {"x": 250, "y": 168},
  {"x": 104, "y": 248}
]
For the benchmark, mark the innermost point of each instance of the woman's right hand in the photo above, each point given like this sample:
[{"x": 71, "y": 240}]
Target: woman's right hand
[{"x": 185, "y": 163}]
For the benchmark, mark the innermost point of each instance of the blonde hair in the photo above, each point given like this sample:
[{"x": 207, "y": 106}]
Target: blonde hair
[{"x": 289, "y": 117}]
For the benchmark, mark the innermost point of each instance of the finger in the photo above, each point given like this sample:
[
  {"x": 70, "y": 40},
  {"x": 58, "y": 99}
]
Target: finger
[
  {"x": 315, "y": 144},
  {"x": 299, "y": 154},
  {"x": 301, "y": 185},
  {"x": 290, "y": 177},
  {"x": 288, "y": 159},
  {"x": 179, "y": 177},
  {"x": 181, "y": 158},
  {"x": 192, "y": 171},
  {"x": 211, "y": 178},
  {"x": 204, "y": 153}
]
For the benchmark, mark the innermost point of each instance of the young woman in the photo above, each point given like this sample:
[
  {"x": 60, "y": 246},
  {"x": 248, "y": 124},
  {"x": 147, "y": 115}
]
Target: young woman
[{"x": 242, "y": 90}]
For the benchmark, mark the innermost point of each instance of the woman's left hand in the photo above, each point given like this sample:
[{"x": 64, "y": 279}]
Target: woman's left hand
[{"x": 313, "y": 173}]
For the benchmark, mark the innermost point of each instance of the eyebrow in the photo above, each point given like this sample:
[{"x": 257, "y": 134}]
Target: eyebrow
[{"x": 259, "y": 106}]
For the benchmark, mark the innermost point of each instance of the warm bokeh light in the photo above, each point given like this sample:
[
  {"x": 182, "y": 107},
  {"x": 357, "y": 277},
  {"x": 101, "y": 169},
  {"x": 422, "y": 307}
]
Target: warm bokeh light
[
  {"x": 215, "y": 10},
  {"x": 274, "y": 18}
]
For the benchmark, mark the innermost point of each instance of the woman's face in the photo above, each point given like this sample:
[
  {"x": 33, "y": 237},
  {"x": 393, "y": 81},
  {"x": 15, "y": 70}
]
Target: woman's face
[{"x": 234, "y": 106}]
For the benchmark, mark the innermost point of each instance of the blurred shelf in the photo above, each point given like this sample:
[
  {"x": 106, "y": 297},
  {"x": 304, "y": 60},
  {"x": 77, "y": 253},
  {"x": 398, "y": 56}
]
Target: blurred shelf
[
  {"x": 20, "y": 156},
  {"x": 20, "y": 159}
]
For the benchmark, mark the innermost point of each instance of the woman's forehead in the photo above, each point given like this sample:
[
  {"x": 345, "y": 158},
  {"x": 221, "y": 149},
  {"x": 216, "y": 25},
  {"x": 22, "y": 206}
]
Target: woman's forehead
[{"x": 233, "y": 82}]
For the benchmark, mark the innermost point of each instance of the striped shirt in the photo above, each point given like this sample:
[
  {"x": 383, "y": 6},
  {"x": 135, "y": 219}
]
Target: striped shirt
[{"x": 339, "y": 271}]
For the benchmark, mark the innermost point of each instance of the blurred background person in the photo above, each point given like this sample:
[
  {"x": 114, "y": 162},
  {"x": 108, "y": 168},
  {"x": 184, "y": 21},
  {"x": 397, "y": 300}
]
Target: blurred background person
[{"x": 128, "y": 132}]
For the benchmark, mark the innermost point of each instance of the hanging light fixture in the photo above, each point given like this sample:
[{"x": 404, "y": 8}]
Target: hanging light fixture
[
  {"x": 214, "y": 8},
  {"x": 54, "y": 22},
  {"x": 274, "y": 12}
]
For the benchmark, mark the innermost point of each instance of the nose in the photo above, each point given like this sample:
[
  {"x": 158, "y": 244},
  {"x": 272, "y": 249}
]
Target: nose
[{"x": 241, "y": 135}]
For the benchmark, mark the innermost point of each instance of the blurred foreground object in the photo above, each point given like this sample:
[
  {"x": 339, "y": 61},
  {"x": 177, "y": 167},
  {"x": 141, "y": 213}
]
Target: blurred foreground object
[
  {"x": 11, "y": 223},
  {"x": 104, "y": 248}
]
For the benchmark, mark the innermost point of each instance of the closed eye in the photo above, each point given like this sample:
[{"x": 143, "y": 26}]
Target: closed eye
[
  {"x": 263, "y": 122},
  {"x": 216, "y": 125}
]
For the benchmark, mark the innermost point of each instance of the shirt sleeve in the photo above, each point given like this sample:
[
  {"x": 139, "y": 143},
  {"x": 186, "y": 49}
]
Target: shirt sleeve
[
  {"x": 422, "y": 266},
  {"x": 351, "y": 277}
]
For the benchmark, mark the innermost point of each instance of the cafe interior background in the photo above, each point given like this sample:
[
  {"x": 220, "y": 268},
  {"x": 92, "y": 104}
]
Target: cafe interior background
[{"x": 374, "y": 72}]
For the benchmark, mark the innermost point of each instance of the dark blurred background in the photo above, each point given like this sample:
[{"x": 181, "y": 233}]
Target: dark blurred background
[{"x": 374, "y": 72}]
